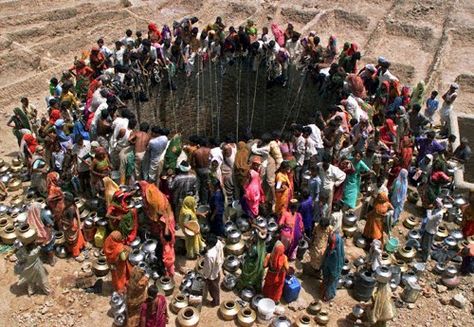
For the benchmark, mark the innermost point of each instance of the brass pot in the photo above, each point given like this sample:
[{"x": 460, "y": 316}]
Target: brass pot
[
  {"x": 199, "y": 265},
  {"x": 100, "y": 267},
  {"x": 407, "y": 253},
  {"x": 246, "y": 317},
  {"x": 314, "y": 307},
  {"x": 228, "y": 310},
  {"x": 166, "y": 284},
  {"x": 322, "y": 318},
  {"x": 386, "y": 259},
  {"x": 16, "y": 169},
  {"x": 8, "y": 234},
  {"x": 188, "y": 317},
  {"x": 304, "y": 321},
  {"x": 235, "y": 249},
  {"x": 26, "y": 234},
  {"x": 403, "y": 266},
  {"x": 59, "y": 238},
  {"x": 5, "y": 168},
  {"x": 16, "y": 162},
  {"x": 16, "y": 201},
  {"x": 178, "y": 302},
  {"x": 84, "y": 214},
  {"x": 14, "y": 184},
  {"x": 411, "y": 222},
  {"x": 80, "y": 203},
  {"x": 349, "y": 231},
  {"x": 3, "y": 222},
  {"x": 441, "y": 233},
  {"x": 462, "y": 244}
]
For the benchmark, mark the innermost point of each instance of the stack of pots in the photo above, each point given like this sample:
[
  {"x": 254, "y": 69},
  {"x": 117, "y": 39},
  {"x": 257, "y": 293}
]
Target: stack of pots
[
  {"x": 349, "y": 223},
  {"x": 234, "y": 243},
  {"x": 119, "y": 309}
]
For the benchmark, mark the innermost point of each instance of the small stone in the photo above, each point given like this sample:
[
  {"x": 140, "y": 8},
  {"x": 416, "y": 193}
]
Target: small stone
[
  {"x": 44, "y": 310},
  {"x": 444, "y": 301},
  {"x": 411, "y": 306},
  {"x": 459, "y": 301},
  {"x": 48, "y": 303},
  {"x": 441, "y": 288}
]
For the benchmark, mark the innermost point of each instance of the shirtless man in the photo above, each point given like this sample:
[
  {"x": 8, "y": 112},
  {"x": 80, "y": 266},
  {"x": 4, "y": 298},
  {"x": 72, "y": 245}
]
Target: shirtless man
[{"x": 139, "y": 139}]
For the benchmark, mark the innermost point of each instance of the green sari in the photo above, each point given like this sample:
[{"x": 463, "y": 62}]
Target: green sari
[
  {"x": 252, "y": 268},
  {"x": 172, "y": 153}
]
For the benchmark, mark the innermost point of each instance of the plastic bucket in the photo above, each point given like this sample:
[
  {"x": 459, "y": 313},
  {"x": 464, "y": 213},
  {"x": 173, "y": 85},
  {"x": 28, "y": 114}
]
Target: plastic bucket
[{"x": 392, "y": 245}]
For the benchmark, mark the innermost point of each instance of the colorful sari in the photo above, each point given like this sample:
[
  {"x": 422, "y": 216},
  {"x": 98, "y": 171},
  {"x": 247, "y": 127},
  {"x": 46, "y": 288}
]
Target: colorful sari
[
  {"x": 292, "y": 229},
  {"x": 127, "y": 222},
  {"x": 71, "y": 227},
  {"x": 154, "y": 313},
  {"x": 241, "y": 164},
  {"x": 352, "y": 184},
  {"x": 282, "y": 197},
  {"x": 332, "y": 266},
  {"x": 252, "y": 268},
  {"x": 253, "y": 194},
  {"x": 115, "y": 253},
  {"x": 136, "y": 295},
  {"x": 374, "y": 226},
  {"x": 406, "y": 151},
  {"x": 194, "y": 244},
  {"x": 317, "y": 247},
  {"x": 172, "y": 153},
  {"x": 399, "y": 194},
  {"x": 55, "y": 199},
  {"x": 277, "y": 264}
]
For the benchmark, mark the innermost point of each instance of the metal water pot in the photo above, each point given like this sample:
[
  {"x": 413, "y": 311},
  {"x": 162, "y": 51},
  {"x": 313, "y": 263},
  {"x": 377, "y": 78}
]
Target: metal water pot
[
  {"x": 231, "y": 263},
  {"x": 234, "y": 236},
  {"x": 229, "y": 282}
]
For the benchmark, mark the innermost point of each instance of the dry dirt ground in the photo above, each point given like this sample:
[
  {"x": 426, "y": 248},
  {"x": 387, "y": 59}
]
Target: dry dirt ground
[{"x": 430, "y": 40}]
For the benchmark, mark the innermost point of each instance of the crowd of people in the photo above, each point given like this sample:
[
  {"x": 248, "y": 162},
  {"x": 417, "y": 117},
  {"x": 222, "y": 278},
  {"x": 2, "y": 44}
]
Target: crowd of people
[{"x": 375, "y": 140}]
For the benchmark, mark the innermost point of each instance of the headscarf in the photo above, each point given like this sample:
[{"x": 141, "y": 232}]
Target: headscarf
[
  {"x": 54, "y": 115},
  {"x": 110, "y": 188},
  {"x": 391, "y": 126},
  {"x": 52, "y": 179},
  {"x": 418, "y": 94},
  {"x": 79, "y": 129},
  {"x": 34, "y": 220},
  {"x": 400, "y": 187},
  {"x": 31, "y": 142},
  {"x": 277, "y": 257},
  {"x": 156, "y": 202},
  {"x": 188, "y": 208},
  {"x": 380, "y": 203}
]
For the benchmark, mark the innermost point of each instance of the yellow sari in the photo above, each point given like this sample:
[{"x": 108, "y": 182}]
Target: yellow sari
[{"x": 194, "y": 244}]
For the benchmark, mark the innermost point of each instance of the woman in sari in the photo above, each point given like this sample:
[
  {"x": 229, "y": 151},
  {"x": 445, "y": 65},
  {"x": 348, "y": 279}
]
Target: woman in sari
[
  {"x": 468, "y": 217},
  {"x": 332, "y": 266},
  {"x": 319, "y": 242},
  {"x": 399, "y": 194},
  {"x": 283, "y": 190},
  {"x": 217, "y": 206},
  {"x": 383, "y": 308},
  {"x": 20, "y": 121},
  {"x": 161, "y": 221},
  {"x": 253, "y": 191},
  {"x": 110, "y": 187},
  {"x": 154, "y": 312},
  {"x": 43, "y": 225},
  {"x": 121, "y": 217},
  {"x": 374, "y": 227},
  {"x": 136, "y": 295},
  {"x": 352, "y": 182},
  {"x": 277, "y": 264},
  {"x": 100, "y": 168},
  {"x": 28, "y": 147},
  {"x": 432, "y": 188},
  {"x": 116, "y": 254},
  {"x": 292, "y": 229},
  {"x": 252, "y": 267},
  {"x": 241, "y": 165},
  {"x": 55, "y": 199},
  {"x": 194, "y": 243},
  {"x": 388, "y": 133},
  {"x": 172, "y": 153},
  {"x": 406, "y": 151},
  {"x": 83, "y": 74},
  {"x": 71, "y": 226}
]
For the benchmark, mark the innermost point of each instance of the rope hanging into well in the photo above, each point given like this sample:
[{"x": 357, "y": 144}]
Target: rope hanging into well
[{"x": 254, "y": 96}]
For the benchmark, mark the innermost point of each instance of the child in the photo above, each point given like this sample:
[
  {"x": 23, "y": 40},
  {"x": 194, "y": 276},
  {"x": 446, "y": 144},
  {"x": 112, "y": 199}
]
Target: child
[{"x": 431, "y": 106}]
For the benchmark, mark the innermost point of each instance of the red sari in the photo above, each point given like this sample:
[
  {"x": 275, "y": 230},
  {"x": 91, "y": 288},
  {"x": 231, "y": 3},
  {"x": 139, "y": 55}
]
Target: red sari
[
  {"x": 118, "y": 208},
  {"x": 55, "y": 198},
  {"x": 406, "y": 151},
  {"x": 277, "y": 264},
  {"x": 155, "y": 313},
  {"x": 113, "y": 247},
  {"x": 71, "y": 226}
]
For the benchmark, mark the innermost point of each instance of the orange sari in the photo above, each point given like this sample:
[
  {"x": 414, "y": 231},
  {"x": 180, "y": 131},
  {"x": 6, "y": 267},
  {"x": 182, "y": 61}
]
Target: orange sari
[
  {"x": 55, "y": 198},
  {"x": 374, "y": 225},
  {"x": 277, "y": 264},
  {"x": 120, "y": 269},
  {"x": 282, "y": 197}
]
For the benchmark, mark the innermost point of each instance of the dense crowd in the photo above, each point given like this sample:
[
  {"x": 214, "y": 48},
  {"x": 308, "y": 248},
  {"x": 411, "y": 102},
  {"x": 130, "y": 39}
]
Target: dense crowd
[{"x": 377, "y": 139}]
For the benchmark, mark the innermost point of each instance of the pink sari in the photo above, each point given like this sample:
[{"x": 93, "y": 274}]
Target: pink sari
[
  {"x": 253, "y": 193},
  {"x": 157, "y": 315},
  {"x": 291, "y": 232},
  {"x": 278, "y": 34}
]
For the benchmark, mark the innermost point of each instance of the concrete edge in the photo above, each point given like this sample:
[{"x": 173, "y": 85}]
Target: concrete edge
[{"x": 459, "y": 181}]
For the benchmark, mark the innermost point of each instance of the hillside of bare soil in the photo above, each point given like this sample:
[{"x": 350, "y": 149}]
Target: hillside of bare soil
[{"x": 431, "y": 40}]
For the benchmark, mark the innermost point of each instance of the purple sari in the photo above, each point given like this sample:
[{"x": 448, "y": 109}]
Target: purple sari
[
  {"x": 290, "y": 238},
  {"x": 159, "y": 317}
]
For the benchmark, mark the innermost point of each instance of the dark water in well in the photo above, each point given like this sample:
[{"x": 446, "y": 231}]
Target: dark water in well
[{"x": 466, "y": 129}]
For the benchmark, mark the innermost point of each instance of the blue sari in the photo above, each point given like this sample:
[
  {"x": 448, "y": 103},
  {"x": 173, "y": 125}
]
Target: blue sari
[
  {"x": 352, "y": 184},
  {"x": 331, "y": 266},
  {"x": 399, "y": 194}
]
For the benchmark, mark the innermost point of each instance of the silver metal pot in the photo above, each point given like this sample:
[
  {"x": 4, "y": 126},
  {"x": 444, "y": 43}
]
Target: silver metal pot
[
  {"x": 229, "y": 282},
  {"x": 136, "y": 242},
  {"x": 272, "y": 226},
  {"x": 383, "y": 274},
  {"x": 281, "y": 321},
  {"x": 234, "y": 236},
  {"x": 350, "y": 219},
  {"x": 228, "y": 226},
  {"x": 261, "y": 222},
  {"x": 243, "y": 224},
  {"x": 136, "y": 256},
  {"x": 247, "y": 294},
  {"x": 231, "y": 263},
  {"x": 149, "y": 246}
]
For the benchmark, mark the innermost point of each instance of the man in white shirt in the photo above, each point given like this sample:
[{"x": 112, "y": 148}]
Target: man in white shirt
[
  {"x": 429, "y": 227},
  {"x": 213, "y": 260},
  {"x": 81, "y": 150},
  {"x": 331, "y": 177},
  {"x": 317, "y": 139},
  {"x": 118, "y": 54}
]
